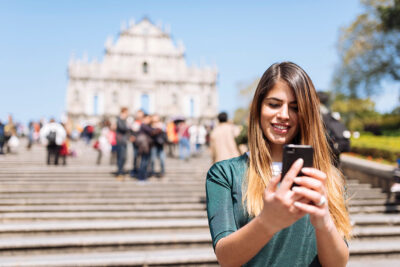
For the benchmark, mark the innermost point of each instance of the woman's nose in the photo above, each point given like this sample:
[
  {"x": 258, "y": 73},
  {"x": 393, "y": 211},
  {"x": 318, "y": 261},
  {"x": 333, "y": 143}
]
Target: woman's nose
[{"x": 284, "y": 112}]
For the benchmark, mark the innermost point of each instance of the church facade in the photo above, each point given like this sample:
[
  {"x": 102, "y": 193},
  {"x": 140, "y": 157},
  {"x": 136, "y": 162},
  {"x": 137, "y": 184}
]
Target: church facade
[{"x": 143, "y": 69}]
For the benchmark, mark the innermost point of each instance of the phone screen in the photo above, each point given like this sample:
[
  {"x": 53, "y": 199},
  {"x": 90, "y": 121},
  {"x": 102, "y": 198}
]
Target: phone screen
[{"x": 293, "y": 152}]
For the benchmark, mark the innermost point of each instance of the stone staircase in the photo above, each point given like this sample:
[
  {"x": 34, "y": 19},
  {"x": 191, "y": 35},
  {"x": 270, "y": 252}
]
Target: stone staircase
[{"x": 79, "y": 215}]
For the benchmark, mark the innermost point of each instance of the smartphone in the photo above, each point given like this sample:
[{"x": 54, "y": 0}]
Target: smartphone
[{"x": 293, "y": 152}]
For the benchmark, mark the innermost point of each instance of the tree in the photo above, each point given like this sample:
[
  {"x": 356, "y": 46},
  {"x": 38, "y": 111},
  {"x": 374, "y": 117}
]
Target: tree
[
  {"x": 246, "y": 91},
  {"x": 355, "y": 112},
  {"x": 369, "y": 49}
]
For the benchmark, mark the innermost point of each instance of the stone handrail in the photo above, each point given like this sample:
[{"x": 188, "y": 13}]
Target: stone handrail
[{"x": 366, "y": 171}]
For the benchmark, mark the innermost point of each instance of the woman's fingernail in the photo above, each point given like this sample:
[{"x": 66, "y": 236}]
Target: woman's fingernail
[
  {"x": 296, "y": 189},
  {"x": 305, "y": 169},
  {"x": 299, "y": 161}
]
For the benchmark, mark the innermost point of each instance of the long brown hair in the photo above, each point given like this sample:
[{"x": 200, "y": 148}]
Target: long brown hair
[{"x": 311, "y": 132}]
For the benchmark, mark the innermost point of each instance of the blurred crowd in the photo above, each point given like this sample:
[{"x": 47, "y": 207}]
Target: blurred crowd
[{"x": 150, "y": 138}]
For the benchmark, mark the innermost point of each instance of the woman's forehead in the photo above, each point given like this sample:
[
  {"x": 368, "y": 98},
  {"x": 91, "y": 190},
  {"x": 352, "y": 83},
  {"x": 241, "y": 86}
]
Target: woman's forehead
[{"x": 282, "y": 91}]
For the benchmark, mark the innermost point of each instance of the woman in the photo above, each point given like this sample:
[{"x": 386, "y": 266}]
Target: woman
[{"x": 254, "y": 220}]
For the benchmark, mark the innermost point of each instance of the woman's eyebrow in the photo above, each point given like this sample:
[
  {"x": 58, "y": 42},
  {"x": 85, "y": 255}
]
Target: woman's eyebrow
[
  {"x": 274, "y": 98},
  {"x": 280, "y": 100}
]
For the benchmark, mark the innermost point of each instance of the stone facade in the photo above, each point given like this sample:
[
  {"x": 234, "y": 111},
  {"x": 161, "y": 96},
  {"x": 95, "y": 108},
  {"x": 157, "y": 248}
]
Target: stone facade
[{"x": 142, "y": 69}]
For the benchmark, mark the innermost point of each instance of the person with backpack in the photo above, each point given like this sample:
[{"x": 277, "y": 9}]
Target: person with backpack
[
  {"x": 53, "y": 136},
  {"x": 144, "y": 143},
  {"x": 337, "y": 134}
]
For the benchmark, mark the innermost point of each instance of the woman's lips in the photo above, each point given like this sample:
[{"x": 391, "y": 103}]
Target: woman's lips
[{"x": 280, "y": 128}]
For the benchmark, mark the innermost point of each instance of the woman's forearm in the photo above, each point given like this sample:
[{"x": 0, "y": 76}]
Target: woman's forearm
[
  {"x": 332, "y": 250},
  {"x": 242, "y": 245}
]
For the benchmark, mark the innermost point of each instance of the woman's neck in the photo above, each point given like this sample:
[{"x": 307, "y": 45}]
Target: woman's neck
[{"x": 276, "y": 152}]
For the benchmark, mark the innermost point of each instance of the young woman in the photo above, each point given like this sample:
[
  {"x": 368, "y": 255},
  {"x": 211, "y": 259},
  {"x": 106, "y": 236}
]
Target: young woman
[{"x": 256, "y": 220}]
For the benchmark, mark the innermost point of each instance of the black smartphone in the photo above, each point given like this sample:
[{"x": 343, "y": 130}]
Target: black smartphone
[{"x": 293, "y": 152}]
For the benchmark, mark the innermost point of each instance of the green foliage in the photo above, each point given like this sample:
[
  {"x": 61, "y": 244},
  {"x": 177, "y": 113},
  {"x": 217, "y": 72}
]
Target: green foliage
[
  {"x": 242, "y": 137},
  {"x": 240, "y": 116},
  {"x": 360, "y": 115},
  {"x": 355, "y": 112},
  {"x": 369, "y": 49},
  {"x": 386, "y": 147},
  {"x": 390, "y": 16},
  {"x": 246, "y": 92}
]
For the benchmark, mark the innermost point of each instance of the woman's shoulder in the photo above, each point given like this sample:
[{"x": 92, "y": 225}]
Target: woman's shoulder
[{"x": 229, "y": 170}]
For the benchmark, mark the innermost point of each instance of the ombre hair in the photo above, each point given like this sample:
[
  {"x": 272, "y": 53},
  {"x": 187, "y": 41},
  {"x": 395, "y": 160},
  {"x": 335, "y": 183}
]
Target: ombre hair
[{"x": 311, "y": 132}]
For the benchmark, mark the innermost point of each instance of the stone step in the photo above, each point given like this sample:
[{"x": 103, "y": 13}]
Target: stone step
[
  {"x": 36, "y": 216},
  {"x": 362, "y": 189},
  {"x": 103, "y": 201},
  {"x": 110, "y": 184},
  {"x": 175, "y": 257},
  {"x": 104, "y": 195},
  {"x": 374, "y": 246},
  {"x": 392, "y": 260},
  {"x": 371, "y": 202},
  {"x": 366, "y": 195},
  {"x": 375, "y": 209},
  {"x": 376, "y": 231},
  {"x": 100, "y": 225},
  {"x": 131, "y": 207},
  {"x": 375, "y": 219},
  {"x": 85, "y": 241},
  {"x": 132, "y": 189}
]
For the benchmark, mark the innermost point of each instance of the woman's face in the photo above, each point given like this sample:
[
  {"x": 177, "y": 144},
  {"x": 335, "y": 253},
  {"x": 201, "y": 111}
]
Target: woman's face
[{"x": 279, "y": 115}]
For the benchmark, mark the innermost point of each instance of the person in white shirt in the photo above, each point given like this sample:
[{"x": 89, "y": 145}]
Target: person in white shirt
[{"x": 53, "y": 136}]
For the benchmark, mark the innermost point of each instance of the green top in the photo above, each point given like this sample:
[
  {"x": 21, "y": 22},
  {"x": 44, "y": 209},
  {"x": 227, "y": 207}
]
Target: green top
[{"x": 293, "y": 246}]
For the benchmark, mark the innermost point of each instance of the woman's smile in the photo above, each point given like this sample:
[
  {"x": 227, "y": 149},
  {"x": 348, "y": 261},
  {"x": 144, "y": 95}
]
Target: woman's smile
[{"x": 279, "y": 116}]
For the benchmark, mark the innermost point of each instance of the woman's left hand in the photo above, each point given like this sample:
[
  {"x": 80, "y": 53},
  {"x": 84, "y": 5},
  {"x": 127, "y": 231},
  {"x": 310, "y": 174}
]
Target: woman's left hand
[{"x": 311, "y": 187}]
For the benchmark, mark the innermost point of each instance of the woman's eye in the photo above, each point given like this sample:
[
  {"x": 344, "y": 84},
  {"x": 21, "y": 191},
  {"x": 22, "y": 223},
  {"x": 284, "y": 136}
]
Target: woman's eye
[
  {"x": 274, "y": 105},
  {"x": 295, "y": 108}
]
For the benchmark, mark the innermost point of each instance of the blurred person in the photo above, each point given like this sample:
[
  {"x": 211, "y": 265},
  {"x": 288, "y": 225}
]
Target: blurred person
[
  {"x": 122, "y": 135},
  {"x": 102, "y": 141},
  {"x": 64, "y": 149},
  {"x": 337, "y": 133},
  {"x": 112, "y": 139},
  {"x": 198, "y": 135},
  {"x": 2, "y": 137},
  {"x": 36, "y": 130},
  {"x": 31, "y": 132},
  {"x": 157, "y": 150},
  {"x": 134, "y": 132},
  {"x": 144, "y": 143},
  {"x": 222, "y": 139},
  {"x": 184, "y": 143},
  {"x": 53, "y": 136},
  {"x": 172, "y": 136},
  {"x": 88, "y": 133},
  {"x": 9, "y": 131},
  {"x": 257, "y": 217}
]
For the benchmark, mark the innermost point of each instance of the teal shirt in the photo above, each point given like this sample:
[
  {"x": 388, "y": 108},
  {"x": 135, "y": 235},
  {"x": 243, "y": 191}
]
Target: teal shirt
[{"x": 293, "y": 246}]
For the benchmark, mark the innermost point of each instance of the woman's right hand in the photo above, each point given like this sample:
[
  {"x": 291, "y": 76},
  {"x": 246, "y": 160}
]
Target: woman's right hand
[{"x": 278, "y": 211}]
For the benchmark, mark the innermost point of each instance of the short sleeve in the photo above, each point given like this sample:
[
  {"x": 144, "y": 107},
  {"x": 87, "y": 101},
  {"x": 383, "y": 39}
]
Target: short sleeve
[{"x": 220, "y": 214}]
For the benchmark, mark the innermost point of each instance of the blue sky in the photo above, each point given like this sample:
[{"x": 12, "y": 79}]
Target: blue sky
[{"x": 241, "y": 37}]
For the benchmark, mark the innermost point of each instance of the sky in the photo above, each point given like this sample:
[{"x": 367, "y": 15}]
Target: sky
[{"x": 243, "y": 38}]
